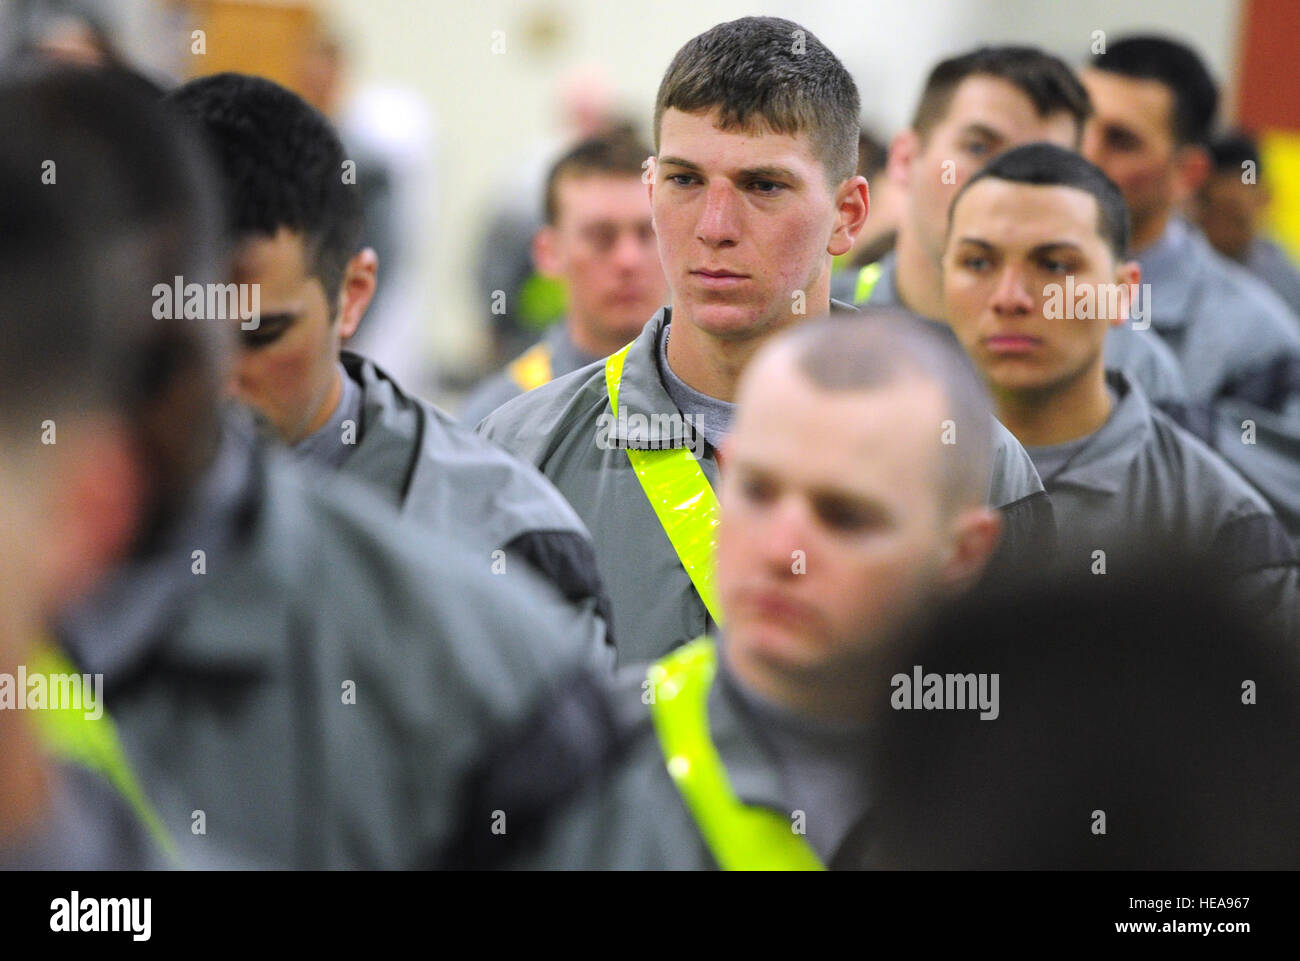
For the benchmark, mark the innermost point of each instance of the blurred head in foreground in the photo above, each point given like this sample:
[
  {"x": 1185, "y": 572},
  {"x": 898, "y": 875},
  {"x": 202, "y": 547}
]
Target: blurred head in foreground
[{"x": 1143, "y": 724}]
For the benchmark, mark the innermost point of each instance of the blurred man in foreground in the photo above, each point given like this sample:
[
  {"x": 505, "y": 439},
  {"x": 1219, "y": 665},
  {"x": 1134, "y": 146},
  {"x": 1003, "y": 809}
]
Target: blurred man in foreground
[
  {"x": 853, "y": 503},
  {"x": 293, "y": 678}
]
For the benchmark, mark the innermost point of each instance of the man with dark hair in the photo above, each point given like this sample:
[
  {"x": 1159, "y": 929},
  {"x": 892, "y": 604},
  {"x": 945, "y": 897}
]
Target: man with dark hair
[
  {"x": 598, "y": 239},
  {"x": 1034, "y": 274},
  {"x": 295, "y": 217},
  {"x": 846, "y": 520},
  {"x": 973, "y": 107},
  {"x": 1154, "y": 106},
  {"x": 753, "y": 193},
  {"x": 1229, "y": 208},
  {"x": 293, "y": 677}
]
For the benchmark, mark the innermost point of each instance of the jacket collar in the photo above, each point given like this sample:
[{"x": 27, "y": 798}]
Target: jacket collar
[
  {"x": 647, "y": 417},
  {"x": 1102, "y": 463},
  {"x": 392, "y": 429}
]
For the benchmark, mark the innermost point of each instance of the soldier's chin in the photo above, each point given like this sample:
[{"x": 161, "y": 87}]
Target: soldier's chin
[
  {"x": 778, "y": 646},
  {"x": 725, "y": 318}
]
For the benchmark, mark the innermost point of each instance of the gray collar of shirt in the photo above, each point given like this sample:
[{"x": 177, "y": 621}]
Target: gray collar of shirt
[
  {"x": 752, "y": 767},
  {"x": 642, "y": 391},
  {"x": 1102, "y": 463},
  {"x": 766, "y": 750},
  {"x": 328, "y": 445}
]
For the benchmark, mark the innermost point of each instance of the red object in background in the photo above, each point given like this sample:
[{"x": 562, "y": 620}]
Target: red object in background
[{"x": 1268, "y": 91}]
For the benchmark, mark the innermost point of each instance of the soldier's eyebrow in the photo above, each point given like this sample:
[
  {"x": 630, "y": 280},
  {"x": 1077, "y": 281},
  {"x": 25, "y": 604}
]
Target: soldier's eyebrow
[
  {"x": 763, "y": 172},
  {"x": 679, "y": 162},
  {"x": 1057, "y": 246},
  {"x": 982, "y": 130}
]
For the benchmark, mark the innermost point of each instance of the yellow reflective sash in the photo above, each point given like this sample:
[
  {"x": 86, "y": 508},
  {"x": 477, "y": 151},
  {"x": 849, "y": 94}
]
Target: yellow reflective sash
[
  {"x": 681, "y": 496},
  {"x": 70, "y": 736},
  {"x": 867, "y": 278},
  {"x": 532, "y": 368},
  {"x": 740, "y": 837}
]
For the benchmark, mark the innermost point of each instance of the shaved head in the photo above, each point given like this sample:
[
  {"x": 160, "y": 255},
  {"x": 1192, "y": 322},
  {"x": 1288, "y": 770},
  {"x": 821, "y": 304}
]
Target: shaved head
[{"x": 879, "y": 347}]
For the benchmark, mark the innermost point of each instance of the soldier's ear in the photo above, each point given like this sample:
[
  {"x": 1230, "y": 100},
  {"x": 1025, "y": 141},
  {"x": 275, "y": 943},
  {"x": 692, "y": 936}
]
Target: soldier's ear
[
  {"x": 546, "y": 254},
  {"x": 360, "y": 278},
  {"x": 852, "y": 202},
  {"x": 903, "y": 150},
  {"x": 1128, "y": 275},
  {"x": 1193, "y": 166},
  {"x": 975, "y": 535},
  {"x": 94, "y": 506}
]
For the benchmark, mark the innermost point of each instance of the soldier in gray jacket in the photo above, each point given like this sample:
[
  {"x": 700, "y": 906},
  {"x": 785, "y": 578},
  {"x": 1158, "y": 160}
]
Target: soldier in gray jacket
[
  {"x": 296, "y": 223},
  {"x": 846, "y": 521},
  {"x": 747, "y": 230},
  {"x": 1120, "y": 473},
  {"x": 1237, "y": 342},
  {"x": 295, "y": 677},
  {"x": 599, "y": 241}
]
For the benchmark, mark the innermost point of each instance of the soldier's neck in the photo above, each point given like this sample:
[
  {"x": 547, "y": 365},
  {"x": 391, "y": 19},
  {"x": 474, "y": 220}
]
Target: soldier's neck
[
  {"x": 917, "y": 276},
  {"x": 712, "y": 365},
  {"x": 328, "y": 406},
  {"x": 590, "y": 337},
  {"x": 841, "y": 701},
  {"x": 1042, "y": 419},
  {"x": 1148, "y": 230}
]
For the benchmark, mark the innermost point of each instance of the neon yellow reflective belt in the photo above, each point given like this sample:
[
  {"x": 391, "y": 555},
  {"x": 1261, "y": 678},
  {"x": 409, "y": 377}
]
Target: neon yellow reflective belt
[
  {"x": 681, "y": 496},
  {"x": 532, "y": 368},
  {"x": 740, "y": 837},
  {"x": 867, "y": 278},
  {"x": 71, "y": 736}
]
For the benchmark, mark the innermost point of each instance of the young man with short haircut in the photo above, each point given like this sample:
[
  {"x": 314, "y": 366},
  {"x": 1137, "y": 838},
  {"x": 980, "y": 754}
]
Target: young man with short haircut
[
  {"x": 291, "y": 675},
  {"x": 1120, "y": 473},
  {"x": 1154, "y": 104},
  {"x": 846, "y": 523},
  {"x": 753, "y": 193},
  {"x": 599, "y": 240},
  {"x": 1237, "y": 343},
  {"x": 296, "y": 222}
]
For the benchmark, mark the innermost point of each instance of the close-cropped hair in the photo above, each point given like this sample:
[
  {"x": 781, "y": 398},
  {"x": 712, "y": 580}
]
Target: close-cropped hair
[
  {"x": 281, "y": 165},
  {"x": 1047, "y": 165},
  {"x": 1046, "y": 80},
  {"x": 766, "y": 73}
]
